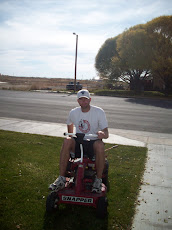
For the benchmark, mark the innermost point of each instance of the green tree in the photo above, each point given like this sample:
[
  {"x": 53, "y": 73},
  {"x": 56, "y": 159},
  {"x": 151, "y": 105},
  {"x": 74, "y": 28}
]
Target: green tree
[
  {"x": 103, "y": 59},
  {"x": 137, "y": 53},
  {"x": 128, "y": 60},
  {"x": 134, "y": 57},
  {"x": 160, "y": 32}
]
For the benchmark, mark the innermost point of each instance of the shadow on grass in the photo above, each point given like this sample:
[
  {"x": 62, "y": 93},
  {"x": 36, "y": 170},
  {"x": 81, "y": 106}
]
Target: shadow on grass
[{"x": 74, "y": 217}]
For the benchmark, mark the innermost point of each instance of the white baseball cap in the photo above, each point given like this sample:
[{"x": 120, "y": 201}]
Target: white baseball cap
[{"x": 83, "y": 93}]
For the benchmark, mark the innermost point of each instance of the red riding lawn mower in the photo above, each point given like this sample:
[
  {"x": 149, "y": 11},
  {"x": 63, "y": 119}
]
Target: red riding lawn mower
[{"x": 80, "y": 175}]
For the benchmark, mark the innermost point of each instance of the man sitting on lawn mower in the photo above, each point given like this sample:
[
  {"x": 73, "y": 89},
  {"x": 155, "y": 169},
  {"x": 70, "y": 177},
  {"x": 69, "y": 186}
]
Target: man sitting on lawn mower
[{"x": 87, "y": 119}]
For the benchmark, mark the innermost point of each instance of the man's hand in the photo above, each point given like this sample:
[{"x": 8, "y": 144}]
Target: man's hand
[
  {"x": 104, "y": 134},
  {"x": 101, "y": 135}
]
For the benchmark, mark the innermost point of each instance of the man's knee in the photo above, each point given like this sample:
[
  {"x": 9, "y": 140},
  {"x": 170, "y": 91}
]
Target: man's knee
[
  {"x": 68, "y": 143},
  {"x": 98, "y": 146}
]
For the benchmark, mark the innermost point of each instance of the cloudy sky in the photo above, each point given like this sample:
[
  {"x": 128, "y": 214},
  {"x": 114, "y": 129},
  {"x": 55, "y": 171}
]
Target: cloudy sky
[{"x": 36, "y": 36}]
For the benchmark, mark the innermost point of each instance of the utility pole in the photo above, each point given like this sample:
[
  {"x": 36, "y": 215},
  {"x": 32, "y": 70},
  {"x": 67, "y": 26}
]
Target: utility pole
[{"x": 75, "y": 61}]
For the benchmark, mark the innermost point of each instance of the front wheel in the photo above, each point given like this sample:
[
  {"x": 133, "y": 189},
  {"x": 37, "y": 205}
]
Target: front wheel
[
  {"x": 52, "y": 202},
  {"x": 102, "y": 207},
  {"x": 105, "y": 173}
]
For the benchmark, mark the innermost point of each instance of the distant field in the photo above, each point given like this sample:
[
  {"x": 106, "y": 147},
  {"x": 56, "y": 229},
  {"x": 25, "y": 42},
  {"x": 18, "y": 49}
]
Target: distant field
[{"x": 36, "y": 83}]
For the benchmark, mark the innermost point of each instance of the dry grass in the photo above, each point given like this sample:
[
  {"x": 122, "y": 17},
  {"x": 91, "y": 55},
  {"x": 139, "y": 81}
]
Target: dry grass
[{"x": 36, "y": 83}]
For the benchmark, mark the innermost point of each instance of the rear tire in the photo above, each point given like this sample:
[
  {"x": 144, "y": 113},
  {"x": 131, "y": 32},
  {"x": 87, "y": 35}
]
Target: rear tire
[
  {"x": 52, "y": 202},
  {"x": 102, "y": 207}
]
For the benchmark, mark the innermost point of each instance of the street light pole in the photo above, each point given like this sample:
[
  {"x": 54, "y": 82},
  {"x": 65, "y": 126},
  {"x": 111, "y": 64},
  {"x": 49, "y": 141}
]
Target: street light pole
[{"x": 75, "y": 60}]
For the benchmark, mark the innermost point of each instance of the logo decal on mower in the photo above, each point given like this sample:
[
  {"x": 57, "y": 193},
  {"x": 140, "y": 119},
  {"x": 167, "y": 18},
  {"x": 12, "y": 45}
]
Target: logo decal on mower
[{"x": 77, "y": 199}]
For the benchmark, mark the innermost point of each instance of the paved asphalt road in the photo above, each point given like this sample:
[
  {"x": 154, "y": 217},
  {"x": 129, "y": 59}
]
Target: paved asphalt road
[{"x": 150, "y": 115}]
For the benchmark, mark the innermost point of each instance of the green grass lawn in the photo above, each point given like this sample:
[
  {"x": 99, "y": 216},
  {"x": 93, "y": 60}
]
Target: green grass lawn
[{"x": 29, "y": 163}]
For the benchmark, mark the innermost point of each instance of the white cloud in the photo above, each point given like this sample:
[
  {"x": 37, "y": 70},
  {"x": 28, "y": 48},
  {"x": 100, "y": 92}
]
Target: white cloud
[{"x": 36, "y": 35}]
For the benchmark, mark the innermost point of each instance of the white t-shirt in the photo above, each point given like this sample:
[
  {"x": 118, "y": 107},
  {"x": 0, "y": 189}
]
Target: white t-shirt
[{"x": 89, "y": 122}]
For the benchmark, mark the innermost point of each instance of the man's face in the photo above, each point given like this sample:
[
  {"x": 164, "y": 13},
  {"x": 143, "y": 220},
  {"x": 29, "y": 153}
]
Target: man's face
[{"x": 84, "y": 102}]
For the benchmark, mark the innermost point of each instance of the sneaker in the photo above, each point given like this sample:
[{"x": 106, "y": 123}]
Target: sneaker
[
  {"x": 97, "y": 185},
  {"x": 58, "y": 184}
]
